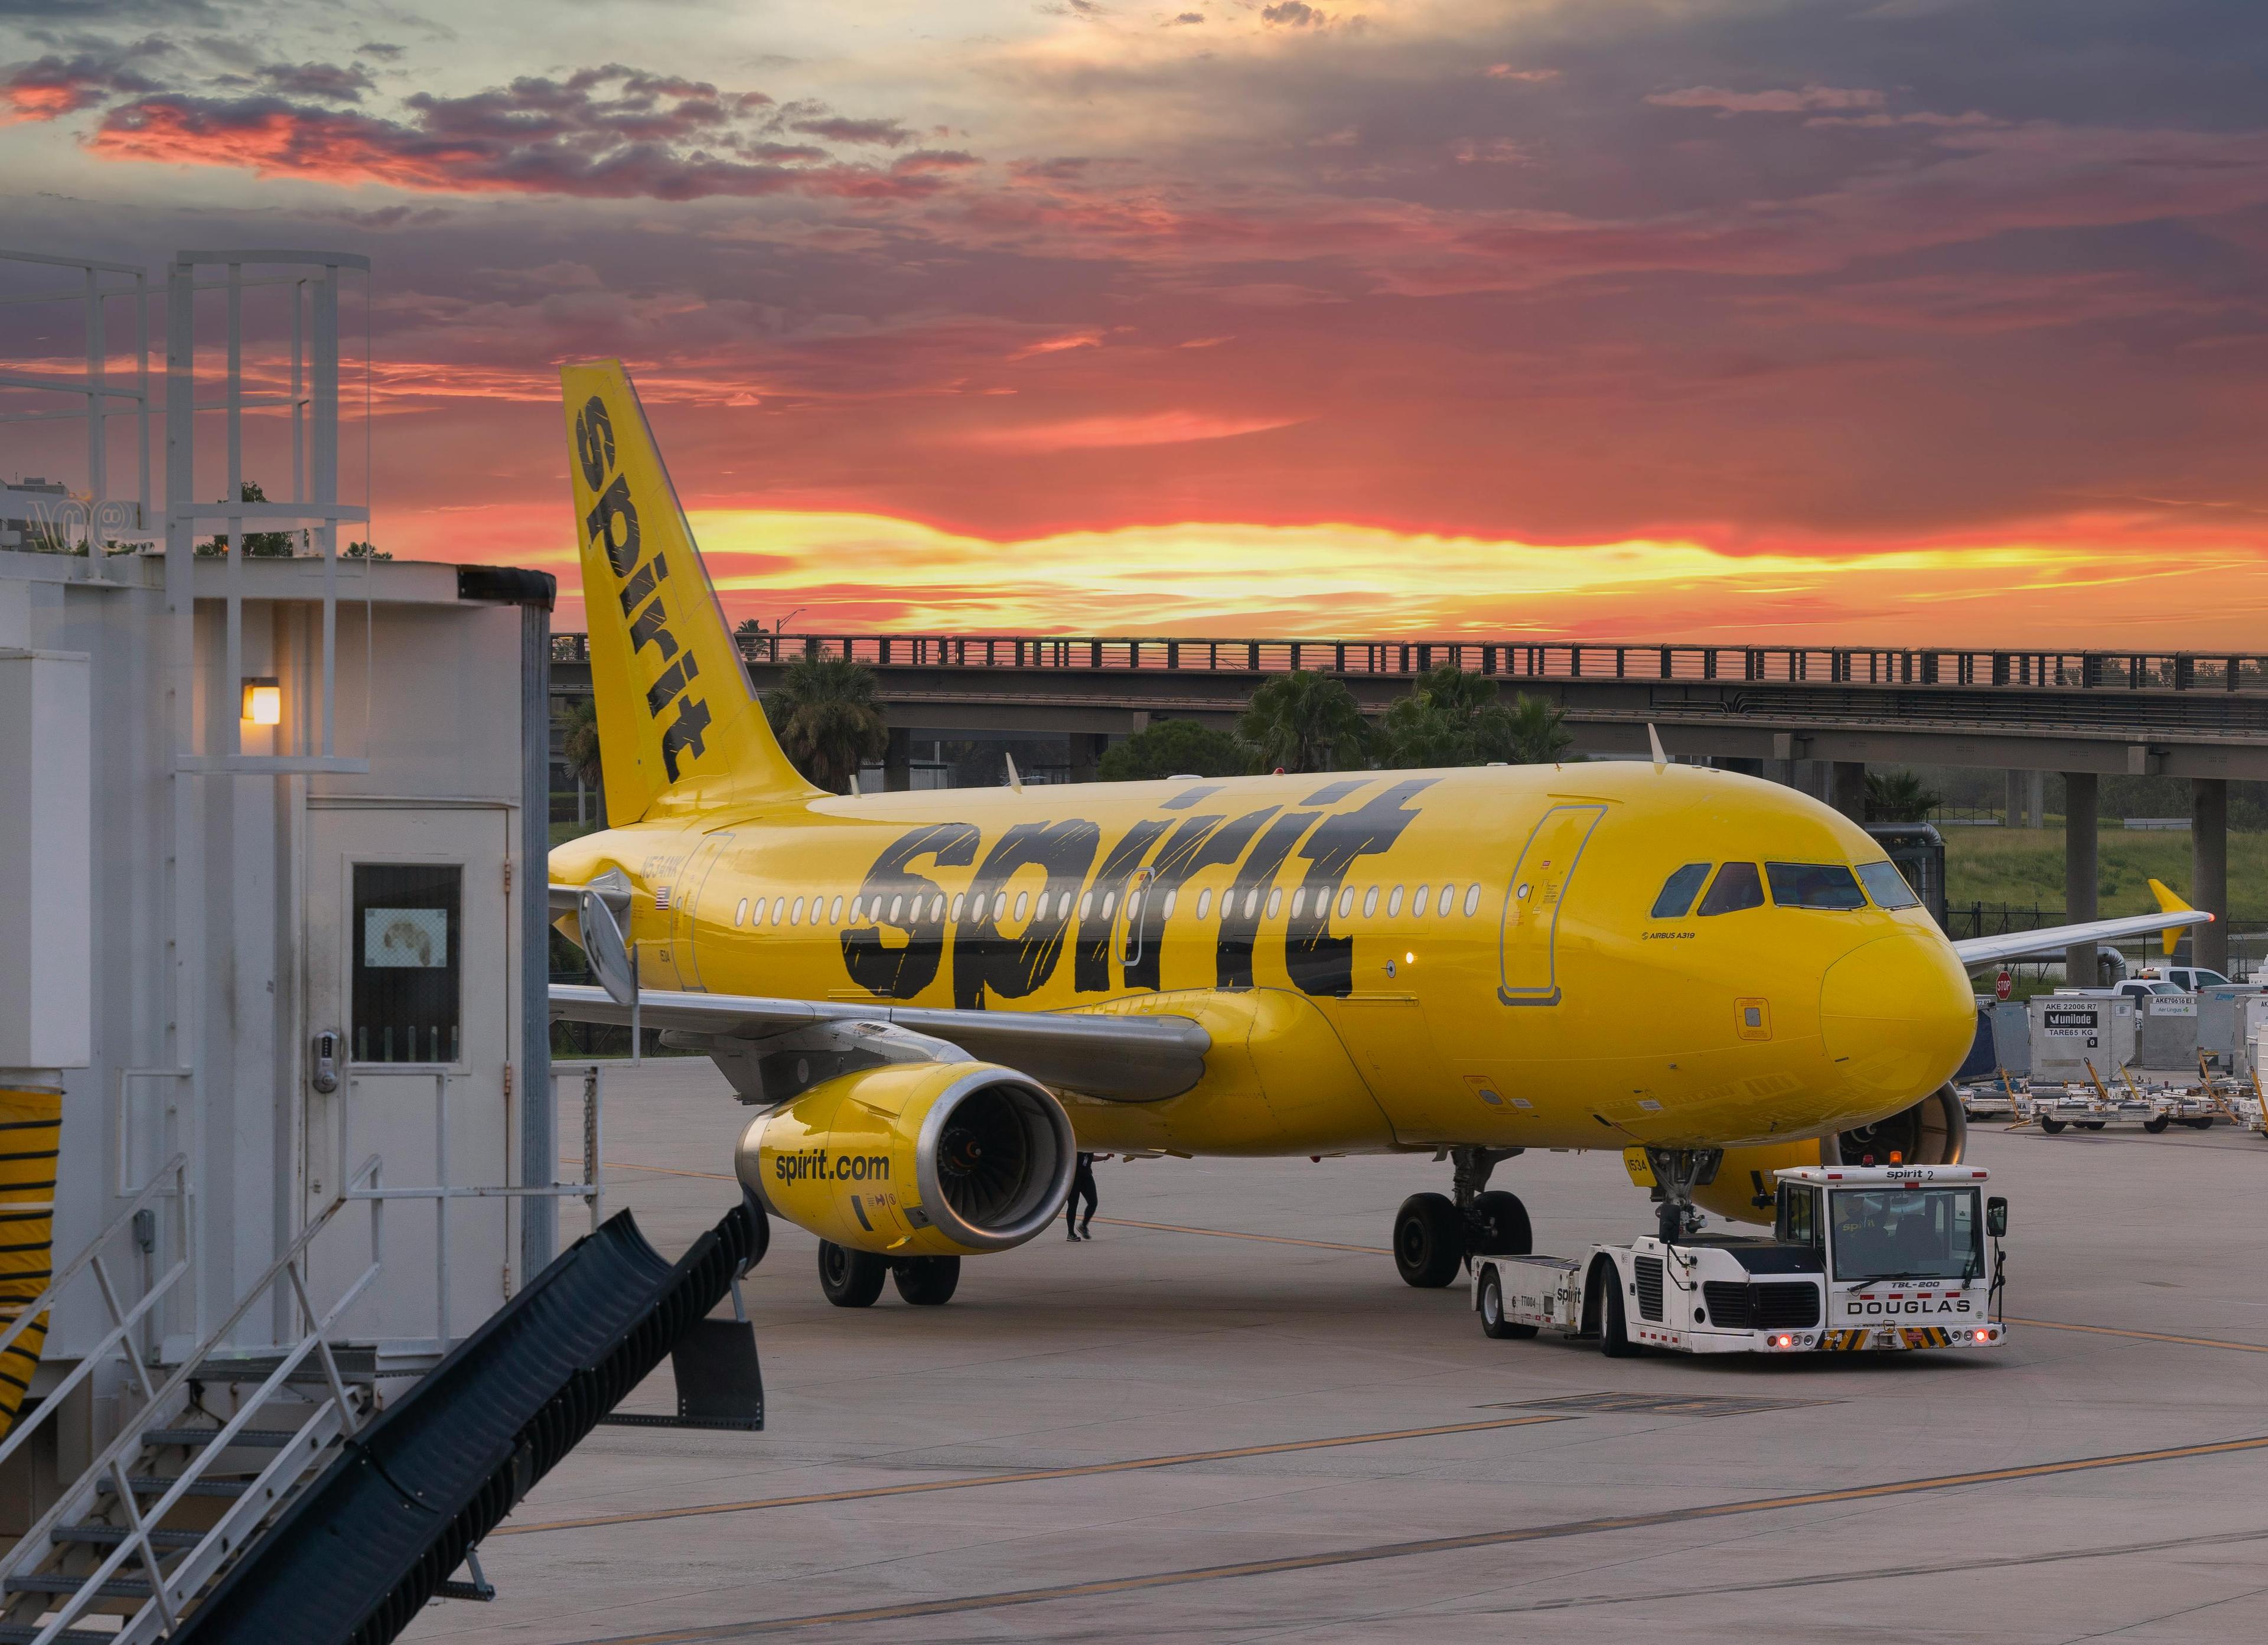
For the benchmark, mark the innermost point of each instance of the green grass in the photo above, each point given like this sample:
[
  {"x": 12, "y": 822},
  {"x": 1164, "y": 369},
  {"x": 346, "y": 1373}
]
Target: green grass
[{"x": 2023, "y": 869}]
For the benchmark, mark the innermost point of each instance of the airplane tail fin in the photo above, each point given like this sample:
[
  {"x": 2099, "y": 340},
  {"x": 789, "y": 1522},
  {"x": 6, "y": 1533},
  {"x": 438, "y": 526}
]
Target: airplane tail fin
[
  {"x": 2169, "y": 904},
  {"x": 678, "y": 725}
]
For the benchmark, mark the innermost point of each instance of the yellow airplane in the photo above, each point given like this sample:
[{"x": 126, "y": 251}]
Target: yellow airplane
[{"x": 936, "y": 999}]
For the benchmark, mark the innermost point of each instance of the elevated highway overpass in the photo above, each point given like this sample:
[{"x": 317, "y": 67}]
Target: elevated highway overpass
[{"x": 2082, "y": 713}]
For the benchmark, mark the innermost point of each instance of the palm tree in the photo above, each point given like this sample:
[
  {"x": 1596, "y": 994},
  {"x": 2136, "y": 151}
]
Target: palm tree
[
  {"x": 1899, "y": 797},
  {"x": 828, "y": 718},
  {"x": 1416, "y": 733},
  {"x": 1305, "y": 721},
  {"x": 579, "y": 742},
  {"x": 1454, "y": 718},
  {"x": 1539, "y": 733}
]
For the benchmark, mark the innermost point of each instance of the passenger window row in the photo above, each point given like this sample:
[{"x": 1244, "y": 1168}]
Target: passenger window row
[
  {"x": 1424, "y": 901},
  {"x": 1831, "y": 886}
]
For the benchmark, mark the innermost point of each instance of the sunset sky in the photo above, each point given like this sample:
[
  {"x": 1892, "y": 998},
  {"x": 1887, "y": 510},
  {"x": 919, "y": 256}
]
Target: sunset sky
[{"x": 1793, "y": 320}]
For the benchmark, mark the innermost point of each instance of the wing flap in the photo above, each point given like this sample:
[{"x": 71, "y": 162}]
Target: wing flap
[{"x": 1124, "y": 1058}]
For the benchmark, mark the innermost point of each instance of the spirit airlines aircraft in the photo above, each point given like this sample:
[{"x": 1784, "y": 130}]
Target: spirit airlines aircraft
[{"x": 936, "y": 999}]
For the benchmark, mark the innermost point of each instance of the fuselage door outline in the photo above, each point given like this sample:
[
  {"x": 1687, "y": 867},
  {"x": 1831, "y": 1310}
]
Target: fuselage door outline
[
  {"x": 1129, "y": 913},
  {"x": 1527, "y": 943}
]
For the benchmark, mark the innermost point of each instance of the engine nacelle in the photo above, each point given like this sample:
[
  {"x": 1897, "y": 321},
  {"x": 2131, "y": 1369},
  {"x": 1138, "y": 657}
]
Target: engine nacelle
[
  {"x": 923, "y": 1159},
  {"x": 1932, "y": 1131}
]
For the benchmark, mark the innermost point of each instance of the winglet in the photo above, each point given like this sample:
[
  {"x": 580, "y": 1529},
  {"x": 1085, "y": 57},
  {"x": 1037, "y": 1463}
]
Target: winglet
[
  {"x": 2169, "y": 904},
  {"x": 1654, "y": 738}
]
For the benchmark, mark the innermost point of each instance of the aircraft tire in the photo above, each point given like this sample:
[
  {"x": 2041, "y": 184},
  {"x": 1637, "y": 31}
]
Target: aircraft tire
[
  {"x": 1493, "y": 1323},
  {"x": 926, "y": 1281},
  {"x": 2053, "y": 1127},
  {"x": 1429, "y": 1240},
  {"x": 2156, "y": 1123},
  {"x": 1614, "y": 1328},
  {"x": 850, "y": 1278},
  {"x": 1499, "y": 1226}
]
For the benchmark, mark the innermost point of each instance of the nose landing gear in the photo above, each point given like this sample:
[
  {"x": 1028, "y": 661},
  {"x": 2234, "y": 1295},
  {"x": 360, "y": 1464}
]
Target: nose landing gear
[
  {"x": 1433, "y": 1232},
  {"x": 1677, "y": 1172}
]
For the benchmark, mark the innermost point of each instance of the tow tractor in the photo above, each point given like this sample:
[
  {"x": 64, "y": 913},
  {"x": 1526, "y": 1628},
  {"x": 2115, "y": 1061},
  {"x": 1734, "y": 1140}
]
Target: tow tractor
[{"x": 1861, "y": 1257}]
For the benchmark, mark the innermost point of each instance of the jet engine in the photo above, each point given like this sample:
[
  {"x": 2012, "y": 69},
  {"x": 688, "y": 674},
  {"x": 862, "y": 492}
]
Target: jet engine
[
  {"x": 919, "y": 1159},
  {"x": 1932, "y": 1131}
]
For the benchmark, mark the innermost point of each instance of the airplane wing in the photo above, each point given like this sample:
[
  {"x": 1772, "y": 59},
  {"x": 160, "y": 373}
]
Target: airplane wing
[
  {"x": 1125, "y": 1059},
  {"x": 2016, "y": 944}
]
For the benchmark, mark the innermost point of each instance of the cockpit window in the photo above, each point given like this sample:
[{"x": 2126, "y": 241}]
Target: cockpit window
[
  {"x": 1678, "y": 890},
  {"x": 1737, "y": 886},
  {"x": 1887, "y": 886},
  {"x": 1813, "y": 885}
]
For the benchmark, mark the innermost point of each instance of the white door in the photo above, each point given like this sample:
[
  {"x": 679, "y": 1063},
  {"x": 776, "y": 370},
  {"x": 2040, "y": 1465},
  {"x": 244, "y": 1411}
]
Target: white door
[{"x": 410, "y": 954}]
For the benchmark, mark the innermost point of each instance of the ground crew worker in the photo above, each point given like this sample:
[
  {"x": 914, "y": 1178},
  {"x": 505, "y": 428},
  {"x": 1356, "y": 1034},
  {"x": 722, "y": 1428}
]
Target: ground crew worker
[{"x": 1082, "y": 1185}]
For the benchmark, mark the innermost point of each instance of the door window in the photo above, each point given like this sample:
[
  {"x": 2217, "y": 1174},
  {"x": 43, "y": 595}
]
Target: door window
[{"x": 407, "y": 947}]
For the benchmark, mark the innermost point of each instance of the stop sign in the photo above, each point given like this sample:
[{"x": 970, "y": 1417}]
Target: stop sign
[{"x": 2002, "y": 984}]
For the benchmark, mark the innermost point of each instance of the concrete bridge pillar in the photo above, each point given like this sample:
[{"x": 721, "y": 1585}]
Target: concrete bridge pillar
[
  {"x": 1086, "y": 748},
  {"x": 898, "y": 761},
  {"x": 1846, "y": 789},
  {"x": 2035, "y": 800},
  {"x": 2209, "y": 868},
  {"x": 2079, "y": 876}
]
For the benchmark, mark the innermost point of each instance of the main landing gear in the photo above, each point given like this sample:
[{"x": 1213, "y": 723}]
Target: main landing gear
[
  {"x": 853, "y": 1278},
  {"x": 1433, "y": 1232}
]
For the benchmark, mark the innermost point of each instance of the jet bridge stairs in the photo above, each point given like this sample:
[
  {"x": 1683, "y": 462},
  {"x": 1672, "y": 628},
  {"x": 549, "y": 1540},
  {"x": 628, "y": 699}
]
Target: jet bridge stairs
[{"x": 288, "y": 1507}]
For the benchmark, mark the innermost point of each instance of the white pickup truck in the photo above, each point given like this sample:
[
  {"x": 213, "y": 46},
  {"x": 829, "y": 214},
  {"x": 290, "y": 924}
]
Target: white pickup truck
[{"x": 1861, "y": 1257}]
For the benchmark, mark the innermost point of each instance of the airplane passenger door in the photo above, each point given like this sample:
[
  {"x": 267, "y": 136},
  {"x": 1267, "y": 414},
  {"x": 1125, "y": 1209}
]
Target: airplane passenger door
[
  {"x": 695, "y": 903},
  {"x": 1130, "y": 920},
  {"x": 1532, "y": 904}
]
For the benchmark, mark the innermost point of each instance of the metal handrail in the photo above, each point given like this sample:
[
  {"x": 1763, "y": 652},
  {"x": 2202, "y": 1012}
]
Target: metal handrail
[
  {"x": 2004, "y": 669},
  {"x": 122, "y": 1321},
  {"x": 78, "y": 1264},
  {"x": 36, "y": 1542}
]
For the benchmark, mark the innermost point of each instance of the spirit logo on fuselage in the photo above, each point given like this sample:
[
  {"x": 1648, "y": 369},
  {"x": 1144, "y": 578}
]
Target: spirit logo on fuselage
[
  {"x": 612, "y": 525},
  {"x": 900, "y": 945}
]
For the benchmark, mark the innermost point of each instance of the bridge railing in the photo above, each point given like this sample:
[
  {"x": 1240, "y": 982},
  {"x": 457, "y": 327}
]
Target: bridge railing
[{"x": 1519, "y": 659}]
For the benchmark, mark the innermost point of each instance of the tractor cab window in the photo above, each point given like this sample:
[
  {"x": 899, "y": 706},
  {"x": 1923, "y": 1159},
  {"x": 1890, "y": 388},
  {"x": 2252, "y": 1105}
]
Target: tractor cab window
[
  {"x": 1906, "y": 1234},
  {"x": 1798, "y": 1214},
  {"x": 1677, "y": 891},
  {"x": 1813, "y": 885},
  {"x": 1737, "y": 886}
]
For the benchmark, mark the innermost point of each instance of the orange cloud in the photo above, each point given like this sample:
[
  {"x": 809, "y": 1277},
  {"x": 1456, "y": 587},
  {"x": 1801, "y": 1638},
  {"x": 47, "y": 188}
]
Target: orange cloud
[
  {"x": 864, "y": 573},
  {"x": 1155, "y": 428}
]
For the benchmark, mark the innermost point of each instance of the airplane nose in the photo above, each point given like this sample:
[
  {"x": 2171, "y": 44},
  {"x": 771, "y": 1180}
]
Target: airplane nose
[{"x": 1896, "y": 1015}]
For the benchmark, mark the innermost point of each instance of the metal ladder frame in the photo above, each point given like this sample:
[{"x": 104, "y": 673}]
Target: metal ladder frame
[{"x": 333, "y": 1417}]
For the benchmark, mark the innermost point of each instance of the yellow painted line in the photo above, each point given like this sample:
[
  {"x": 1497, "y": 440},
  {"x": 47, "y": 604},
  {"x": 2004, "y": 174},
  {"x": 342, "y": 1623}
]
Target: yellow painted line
[
  {"x": 2146, "y": 1336},
  {"x": 1081, "y": 1471},
  {"x": 1108, "y": 1586},
  {"x": 659, "y": 1170}
]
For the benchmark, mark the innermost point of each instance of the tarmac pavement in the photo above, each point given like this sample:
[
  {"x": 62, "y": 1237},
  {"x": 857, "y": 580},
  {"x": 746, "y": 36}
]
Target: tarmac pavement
[{"x": 1224, "y": 1419}]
